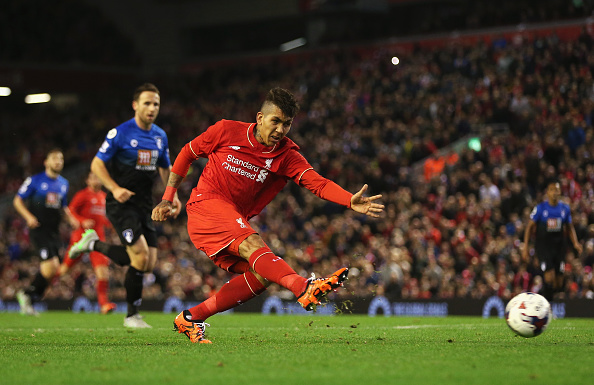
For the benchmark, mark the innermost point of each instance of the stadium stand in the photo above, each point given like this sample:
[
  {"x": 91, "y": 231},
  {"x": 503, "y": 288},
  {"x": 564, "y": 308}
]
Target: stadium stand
[{"x": 454, "y": 233}]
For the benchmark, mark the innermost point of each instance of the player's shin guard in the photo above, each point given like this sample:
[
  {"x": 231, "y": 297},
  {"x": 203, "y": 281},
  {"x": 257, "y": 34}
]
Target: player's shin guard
[
  {"x": 133, "y": 285},
  {"x": 238, "y": 290},
  {"x": 116, "y": 253},
  {"x": 275, "y": 269}
]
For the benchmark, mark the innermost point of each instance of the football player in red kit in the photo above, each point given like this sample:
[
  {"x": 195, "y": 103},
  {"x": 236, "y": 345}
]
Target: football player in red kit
[
  {"x": 88, "y": 207},
  {"x": 248, "y": 165}
]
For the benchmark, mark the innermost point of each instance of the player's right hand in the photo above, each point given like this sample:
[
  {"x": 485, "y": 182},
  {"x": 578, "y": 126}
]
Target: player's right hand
[
  {"x": 122, "y": 194},
  {"x": 162, "y": 211},
  {"x": 32, "y": 222}
]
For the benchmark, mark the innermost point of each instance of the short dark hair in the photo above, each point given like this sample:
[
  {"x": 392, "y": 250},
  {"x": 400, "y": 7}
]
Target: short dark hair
[
  {"x": 54, "y": 150},
  {"x": 284, "y": 100},
  {"x": 145, "y": 87},
  {"x": 552, "y": 181}
]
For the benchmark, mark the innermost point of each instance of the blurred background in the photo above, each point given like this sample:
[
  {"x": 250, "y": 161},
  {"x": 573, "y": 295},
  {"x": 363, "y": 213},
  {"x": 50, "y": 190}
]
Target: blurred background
[{"x": 457, "y": 111}]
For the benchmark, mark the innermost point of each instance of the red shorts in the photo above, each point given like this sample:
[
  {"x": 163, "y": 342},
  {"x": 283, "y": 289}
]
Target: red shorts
[
  {"x": 97, "y": 259},
  {"x": 216, "y": 228}
]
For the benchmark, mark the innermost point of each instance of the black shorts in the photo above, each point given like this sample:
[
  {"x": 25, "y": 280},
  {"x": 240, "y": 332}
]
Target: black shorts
[
  {"x": 552, "y": 259},
  {"x": 46, "y": 244},
  {"x": 130, "y": 223}
]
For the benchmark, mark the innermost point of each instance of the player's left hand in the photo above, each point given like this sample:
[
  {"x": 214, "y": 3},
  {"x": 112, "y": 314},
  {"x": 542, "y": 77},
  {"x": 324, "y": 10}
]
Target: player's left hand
[
  {"x": 176, "y": 209},
  {"x": 365, "y": 205}
]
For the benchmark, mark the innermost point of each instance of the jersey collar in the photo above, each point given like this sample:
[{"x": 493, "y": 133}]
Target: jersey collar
[{"x": 251, "y": 137}]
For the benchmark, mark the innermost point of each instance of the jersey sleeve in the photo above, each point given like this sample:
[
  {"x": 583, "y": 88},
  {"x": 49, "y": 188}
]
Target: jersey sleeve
[
  {"x": 199, "y": 147},
  {"x": 164, "y": 161},
  {"x": 65, "y": 199},
  {"x": 568, "y": 219},
  {"x": 26, "y": 189},
  {"x": 76, "y": 204},
  {"x": 535, "y": 213},
  {"x": 302, "y": 173},
  {"x": 109, "y": 146}
]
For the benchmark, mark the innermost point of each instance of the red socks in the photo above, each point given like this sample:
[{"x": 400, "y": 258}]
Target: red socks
[
  {"x": 239, "y": 289},
  {"x": 101, "y": 288},
  {"x": 244, "y": 287},
  {"x": 275, "y": 269}
]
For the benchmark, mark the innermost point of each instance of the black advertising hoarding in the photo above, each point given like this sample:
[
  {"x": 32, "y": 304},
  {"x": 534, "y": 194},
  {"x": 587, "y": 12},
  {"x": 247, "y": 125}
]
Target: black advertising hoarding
[{"x": 372, "y": 306}]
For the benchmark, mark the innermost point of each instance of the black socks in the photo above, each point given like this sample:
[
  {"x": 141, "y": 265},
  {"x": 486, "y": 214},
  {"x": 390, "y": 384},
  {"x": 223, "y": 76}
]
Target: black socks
[
  {"x": 133, "y": 285},
  {"x": 116, "y": 253},
  {"x": 37, "y": 288}
]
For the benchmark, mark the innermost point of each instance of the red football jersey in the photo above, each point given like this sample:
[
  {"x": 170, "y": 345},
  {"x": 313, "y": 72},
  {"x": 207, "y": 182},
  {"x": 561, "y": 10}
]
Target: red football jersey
[
  {"x": 88, "y": 204},
  {"x": 248, "y": 174}
]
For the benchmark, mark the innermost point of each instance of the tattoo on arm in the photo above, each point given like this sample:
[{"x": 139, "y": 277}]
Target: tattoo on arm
[{"x": 174, "y": 180}]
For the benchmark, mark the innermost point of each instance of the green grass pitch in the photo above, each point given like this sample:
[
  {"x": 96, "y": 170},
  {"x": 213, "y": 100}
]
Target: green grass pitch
[{"x": 68, "y": 348}]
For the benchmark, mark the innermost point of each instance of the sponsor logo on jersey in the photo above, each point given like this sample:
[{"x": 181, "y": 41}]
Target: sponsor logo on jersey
[
  {"x": 236, "y": 148},
  {"x": 147, "y": 160},
  {"x": 134, "y": 143},
  {"x": 44, "y": 186},
  {"x": 554, "y": 225},
  {"x": 52, "y": 200},
  {"x": 245, "y": 168},
  {"x": 159, "y": 141},
  {"x": 128, "y": 235},
  {"x": 262, "y": 176}
]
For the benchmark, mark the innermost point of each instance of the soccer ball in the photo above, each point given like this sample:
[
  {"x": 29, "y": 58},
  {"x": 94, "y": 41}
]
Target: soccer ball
[{"x": 528, "y": 314}]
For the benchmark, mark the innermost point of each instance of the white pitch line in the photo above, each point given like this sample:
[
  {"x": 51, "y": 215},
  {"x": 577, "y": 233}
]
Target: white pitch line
[{"x": 73, "y": 329}]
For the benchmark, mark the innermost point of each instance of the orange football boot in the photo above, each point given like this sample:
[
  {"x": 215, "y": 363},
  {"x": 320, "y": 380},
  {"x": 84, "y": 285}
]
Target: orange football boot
[
  {"x": 108, "y": 308},
  {"x": 319, "y": 287},
  {"x": 193, "y": 330}
]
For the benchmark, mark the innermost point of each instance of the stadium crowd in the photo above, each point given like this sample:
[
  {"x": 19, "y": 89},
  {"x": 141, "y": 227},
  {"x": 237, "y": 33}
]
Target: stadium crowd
[{"x": 457, "y": 234}]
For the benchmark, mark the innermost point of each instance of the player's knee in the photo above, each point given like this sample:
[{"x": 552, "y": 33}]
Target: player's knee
[
  {"x": 102, "y": 272},
  {"x": 139, "y": 259},
  {"x": 49, "y": 268},
  {"x": 262, "y": 280}
]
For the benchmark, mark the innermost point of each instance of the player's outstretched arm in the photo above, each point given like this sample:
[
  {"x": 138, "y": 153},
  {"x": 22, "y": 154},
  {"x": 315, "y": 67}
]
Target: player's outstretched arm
[{"x": 365, "y": 205}]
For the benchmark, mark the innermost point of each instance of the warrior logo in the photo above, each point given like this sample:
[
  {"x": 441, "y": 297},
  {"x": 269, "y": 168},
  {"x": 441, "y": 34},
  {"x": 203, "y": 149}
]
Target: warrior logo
[{"x": 241, "y": 224}]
